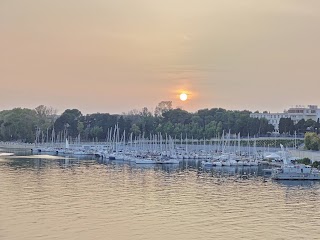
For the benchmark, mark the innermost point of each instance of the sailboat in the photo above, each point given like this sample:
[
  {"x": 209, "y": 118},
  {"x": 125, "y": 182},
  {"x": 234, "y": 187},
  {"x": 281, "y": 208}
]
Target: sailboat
[
  {"x": 67, "y": 148},
  {"x": 67, "y": 143}
]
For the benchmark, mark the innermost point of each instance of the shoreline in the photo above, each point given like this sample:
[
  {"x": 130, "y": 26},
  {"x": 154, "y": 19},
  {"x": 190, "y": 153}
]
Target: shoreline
[
  {"x": 313, "y": 155},
  {"x": 16, "y": 145}
]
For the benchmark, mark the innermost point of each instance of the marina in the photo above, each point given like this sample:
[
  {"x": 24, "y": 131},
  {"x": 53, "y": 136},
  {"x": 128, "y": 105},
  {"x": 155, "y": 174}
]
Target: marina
[{"x": 228, "y": 150}]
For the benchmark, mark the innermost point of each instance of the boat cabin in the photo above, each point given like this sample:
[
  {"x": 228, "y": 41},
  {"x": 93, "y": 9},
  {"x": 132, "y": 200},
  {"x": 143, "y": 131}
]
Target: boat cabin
[{"x": 299, "y": 168}]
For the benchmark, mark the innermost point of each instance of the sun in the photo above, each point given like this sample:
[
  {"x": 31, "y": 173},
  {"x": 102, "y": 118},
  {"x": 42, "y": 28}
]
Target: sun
[{"x": 183, "y": 96}]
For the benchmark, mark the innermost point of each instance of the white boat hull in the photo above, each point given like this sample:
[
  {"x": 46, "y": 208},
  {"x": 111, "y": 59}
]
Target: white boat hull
[
  {"x": 295, "y": 176},
  {"x": 170, "y": 161},
  {"x": 145, "y": 161},
  {"x": 6, "y": 154}
]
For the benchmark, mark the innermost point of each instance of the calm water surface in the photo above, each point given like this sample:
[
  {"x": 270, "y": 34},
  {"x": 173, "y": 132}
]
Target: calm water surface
[{"x": 63, "y": 198}]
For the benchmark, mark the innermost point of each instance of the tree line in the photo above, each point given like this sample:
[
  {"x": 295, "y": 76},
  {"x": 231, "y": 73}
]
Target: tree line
[
  {"x": 42, "y": 124},
  {"x": 21, "y": 124},
  {"x": 287, "y": 126},
  {"x": 25, "y": 124}
]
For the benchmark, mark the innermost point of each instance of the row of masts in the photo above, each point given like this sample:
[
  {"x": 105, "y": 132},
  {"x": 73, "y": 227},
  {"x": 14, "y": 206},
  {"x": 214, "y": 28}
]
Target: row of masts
[{"x": 116, "y": 140}]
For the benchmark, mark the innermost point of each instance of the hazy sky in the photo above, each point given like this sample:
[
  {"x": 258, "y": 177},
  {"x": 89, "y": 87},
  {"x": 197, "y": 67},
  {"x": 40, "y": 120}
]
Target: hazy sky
[{"x": 118, "y": 55}]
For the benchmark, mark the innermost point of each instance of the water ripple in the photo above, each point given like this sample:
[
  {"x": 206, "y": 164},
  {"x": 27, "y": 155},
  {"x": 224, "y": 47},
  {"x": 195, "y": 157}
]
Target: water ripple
[{"x": 76, "y": 199}]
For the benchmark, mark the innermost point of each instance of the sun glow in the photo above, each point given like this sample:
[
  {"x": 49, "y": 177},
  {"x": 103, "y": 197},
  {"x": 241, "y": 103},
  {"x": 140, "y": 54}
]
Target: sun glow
[{"x": 183, "y": 96}]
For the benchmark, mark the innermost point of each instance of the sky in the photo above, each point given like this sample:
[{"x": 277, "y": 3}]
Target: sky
[{"x": 115, "y": 56}]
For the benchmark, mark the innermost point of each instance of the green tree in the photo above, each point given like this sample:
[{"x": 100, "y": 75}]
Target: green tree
[
  {"x": 310, "y": 125},
  {"x": 135, "y": 130},
  {"x": 80, "y": 128},
  {"x": 68, "y": 122},
  {"x": 286, "y": 125},
  {"x": 312, "y": 141},
  {"x": 177, "y": 116},
  {"x": 305, "y": 161},
  {"x": 96, "y": 132},
  {"x": 163, "y": 107},
  {"x": 300, "y": 127},
  {"x": 18, "y": 125}
]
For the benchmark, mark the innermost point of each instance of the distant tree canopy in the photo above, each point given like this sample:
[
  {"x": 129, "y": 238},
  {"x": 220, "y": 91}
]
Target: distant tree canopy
[
  {"x": 163, "y": 107},
  {"x": 21, "y": 124},
  {"x": 312, "y": 141},
  {"x": 287, "y": 126},
  {"x": 42, "y": 124},
  {"x": 26, "y": 124},
  {"x": 68, "y": 122},
  {"x": 205, "y": 123}
]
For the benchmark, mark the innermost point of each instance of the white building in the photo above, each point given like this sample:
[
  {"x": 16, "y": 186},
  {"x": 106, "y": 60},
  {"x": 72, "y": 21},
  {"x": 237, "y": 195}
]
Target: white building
[{"x": 295, "y": 113}]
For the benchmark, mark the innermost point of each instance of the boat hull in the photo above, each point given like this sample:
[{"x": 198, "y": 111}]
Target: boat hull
[
  {"x": 145, "y": 161},
  {"x": 171, "y": 161},
  {"x": 293, "y": 176}
]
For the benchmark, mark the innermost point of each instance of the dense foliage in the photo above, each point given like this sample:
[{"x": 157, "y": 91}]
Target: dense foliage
[
  {"x": 287, "y": 126},
  {"x": 22, "y": 124},
  {"x": 316, "y": 164},
  {"x": 42, "y": 124},
  {"x": 307, "y": 161},
  {"x": 312, "y": 141}
]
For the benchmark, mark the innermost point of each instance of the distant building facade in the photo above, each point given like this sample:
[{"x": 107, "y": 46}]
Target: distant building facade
[{"x": 295, "y": 113}]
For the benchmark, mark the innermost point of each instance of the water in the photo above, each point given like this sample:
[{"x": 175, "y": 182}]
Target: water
[{"x": 54, "y": 198}]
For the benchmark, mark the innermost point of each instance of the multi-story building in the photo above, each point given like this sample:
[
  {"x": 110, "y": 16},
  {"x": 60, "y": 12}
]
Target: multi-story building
[{"x": 295, "y": 113}]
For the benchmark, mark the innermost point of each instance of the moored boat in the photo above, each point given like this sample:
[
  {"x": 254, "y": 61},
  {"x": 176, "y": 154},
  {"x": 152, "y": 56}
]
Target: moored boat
[
  {"x": 6, "y": 154},
  {"x": 295, "y": 172},
  {"x": 145, "y": 161}
]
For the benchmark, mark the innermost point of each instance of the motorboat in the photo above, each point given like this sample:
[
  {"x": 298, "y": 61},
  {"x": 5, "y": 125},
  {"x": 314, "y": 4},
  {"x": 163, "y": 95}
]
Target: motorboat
[
  {"x": 295, "y": 172},
  {"x": 145, "y": 161},
  {"x": 6, "y": 154}
]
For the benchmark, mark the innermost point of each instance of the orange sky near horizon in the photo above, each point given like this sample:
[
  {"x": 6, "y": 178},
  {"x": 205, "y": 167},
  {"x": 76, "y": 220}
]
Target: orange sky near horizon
[{"x": 115, "y": 56}]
